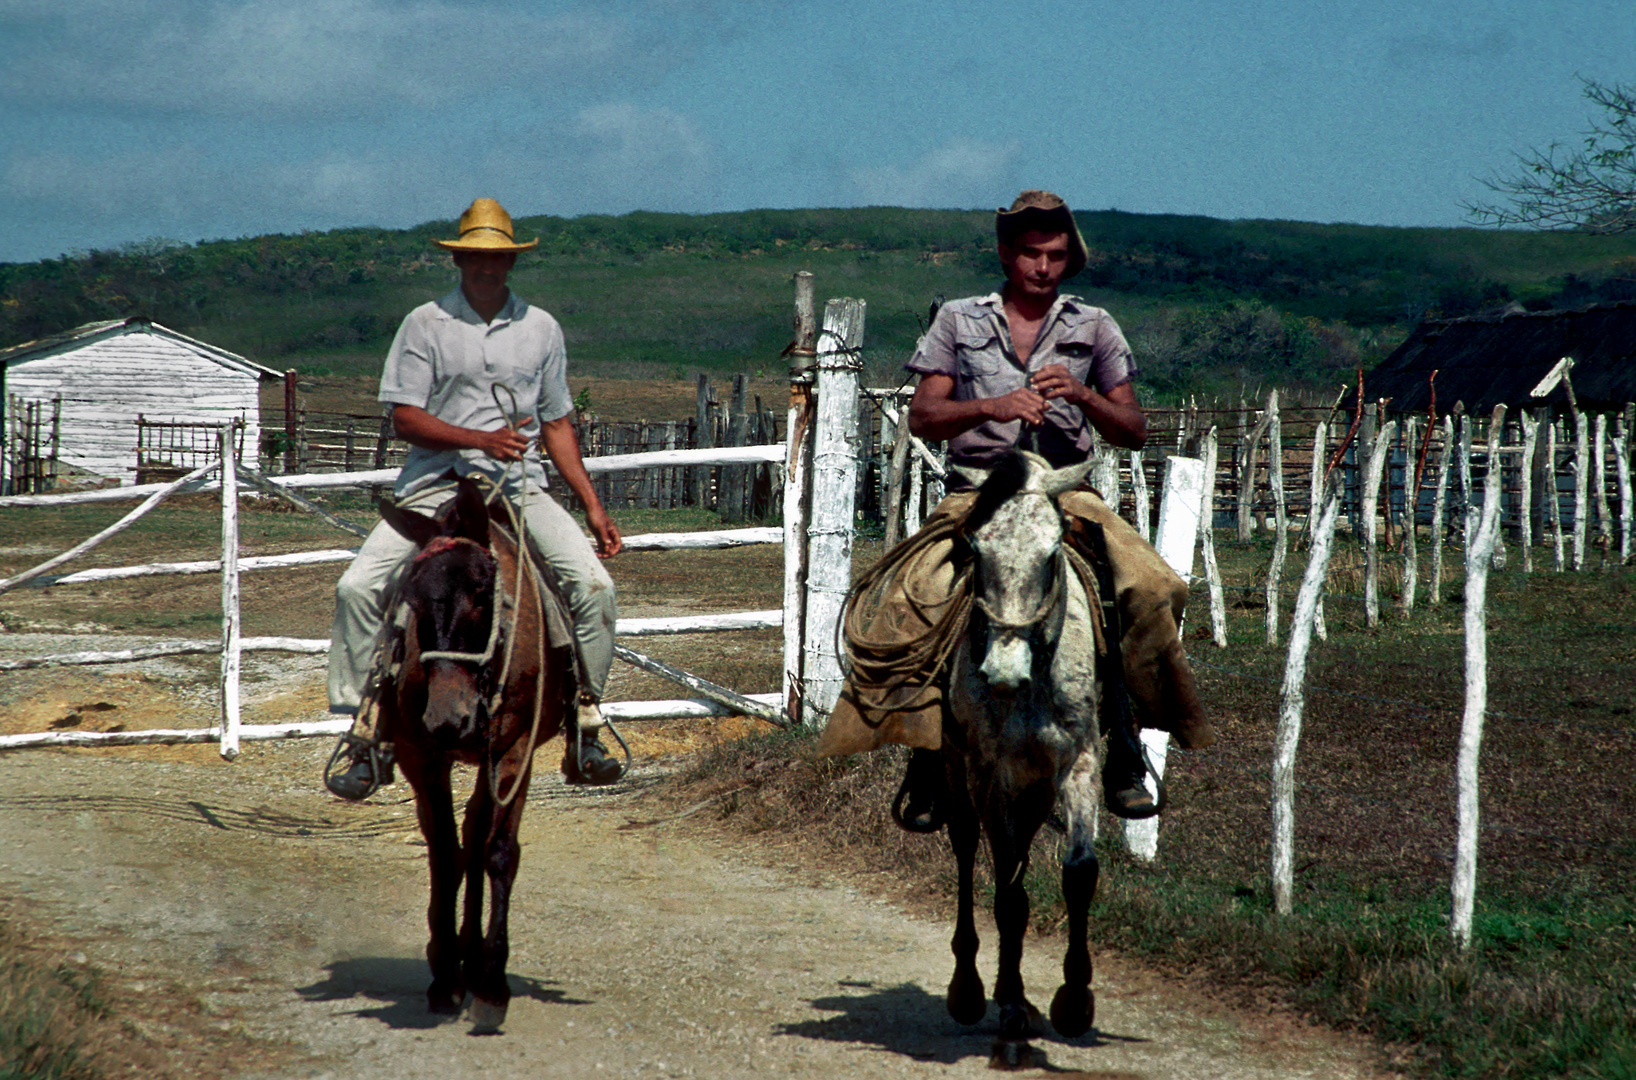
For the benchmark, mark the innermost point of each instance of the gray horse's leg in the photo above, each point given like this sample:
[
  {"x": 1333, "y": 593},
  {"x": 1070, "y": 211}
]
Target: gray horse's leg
[
  {"x": 1009, "y": 835},
  {"x": 967, "y": 1000},
  {"x": 1073, "y": 1008}
]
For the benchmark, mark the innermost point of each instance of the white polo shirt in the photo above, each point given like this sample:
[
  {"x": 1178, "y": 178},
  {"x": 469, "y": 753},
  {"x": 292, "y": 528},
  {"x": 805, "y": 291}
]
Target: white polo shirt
[{"x": 447, "y": 360}]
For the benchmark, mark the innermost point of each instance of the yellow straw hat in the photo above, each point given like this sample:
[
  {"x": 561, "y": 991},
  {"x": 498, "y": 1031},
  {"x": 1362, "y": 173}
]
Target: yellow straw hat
[
  {"x": 1042, "y": 210},
  {"x": 485, "y": 226}
]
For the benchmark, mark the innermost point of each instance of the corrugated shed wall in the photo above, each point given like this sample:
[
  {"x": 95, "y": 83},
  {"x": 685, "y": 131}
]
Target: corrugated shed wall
[{"x": 106, "y": 384}]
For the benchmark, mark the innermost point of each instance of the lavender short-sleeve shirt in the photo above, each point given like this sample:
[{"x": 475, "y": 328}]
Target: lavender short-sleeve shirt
[
  {"x": 970, "y": 341},
  {"x": 448, "y": 361}
]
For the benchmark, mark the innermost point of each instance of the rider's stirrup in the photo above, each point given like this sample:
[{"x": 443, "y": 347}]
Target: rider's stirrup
[
  {"x": 918, "y": 805},
  {"x": 371, "y": 767},
  {"x": 585, "y": 760}
]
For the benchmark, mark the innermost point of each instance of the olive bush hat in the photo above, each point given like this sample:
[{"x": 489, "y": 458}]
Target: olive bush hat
[
  {"x": 1045, "y": 212},
  {"x": 485, "y": 226}
]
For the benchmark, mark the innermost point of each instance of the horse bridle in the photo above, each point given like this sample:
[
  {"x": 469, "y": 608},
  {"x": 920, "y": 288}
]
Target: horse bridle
[
  {"x": 501, "y": 601},
  {"x": 1053, "y": 595}
]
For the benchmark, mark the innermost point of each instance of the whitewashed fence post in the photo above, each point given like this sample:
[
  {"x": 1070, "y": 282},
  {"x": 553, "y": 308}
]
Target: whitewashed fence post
[
  {"x": 1530, "y": 440},
  {"x": 231, "y": 643},
  {"x": 1621, "y": 462},
  {"x": 1411, "y": 531},
  {"x": 1293, "y": 701},
  {"x": 797, "y": 451},
  {"x": 894, "y": 475},
  {"x": 1553, "y": 501},
  {"x": 1207, "y": 542},
  {"x": 1434, "y": 588},
  {"x": 1275, "y": 480},
  {"x": 1138, "y": 490},
  {"x": 917, "y": 485},
  {"x": 1315, "y": 502},
  {"x": 1379, "y": 448},
  {"x": 1178, "y": 534},
  {"x": 1479, "y": 553},
  {"x": 1582, "y": 475},
  {"x": 834, "y": 484},
  {"x": 1599, "y": 450}
]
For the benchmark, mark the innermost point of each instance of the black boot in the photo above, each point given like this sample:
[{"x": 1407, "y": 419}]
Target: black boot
[
  {"x": 1122, "y": 774},
  {"x": 918, "y": 805},
  {"x": 592, "y": 765},
  {"x": 371, "y": 767}
]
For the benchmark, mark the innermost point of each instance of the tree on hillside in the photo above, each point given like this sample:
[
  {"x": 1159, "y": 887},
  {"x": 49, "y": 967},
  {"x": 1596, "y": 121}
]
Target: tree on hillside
[{"x": 1592, "y": 188}]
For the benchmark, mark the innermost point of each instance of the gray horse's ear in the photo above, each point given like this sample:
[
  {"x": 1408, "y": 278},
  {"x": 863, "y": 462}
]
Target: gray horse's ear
[
  {"x": 1059, "y": 480},
  {"x": 974, "y": 477}
]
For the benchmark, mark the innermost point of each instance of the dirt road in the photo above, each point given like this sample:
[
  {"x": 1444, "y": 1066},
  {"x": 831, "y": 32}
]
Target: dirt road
[{"x": 641, "y": 946}]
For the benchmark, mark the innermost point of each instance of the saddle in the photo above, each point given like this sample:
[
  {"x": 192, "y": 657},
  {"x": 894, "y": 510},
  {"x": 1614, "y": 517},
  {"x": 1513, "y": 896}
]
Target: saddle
[{"x": 901, "y": 624}]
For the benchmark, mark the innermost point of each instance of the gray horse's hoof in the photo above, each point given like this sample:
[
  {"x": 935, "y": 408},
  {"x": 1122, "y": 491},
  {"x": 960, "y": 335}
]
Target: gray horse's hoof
[
  {"x": 486, "y": 1017},
  {"x": 967, "y": 1000},
  {"x": 1073, "y": 1010},
  {"x": 1011, "y": 1054}
]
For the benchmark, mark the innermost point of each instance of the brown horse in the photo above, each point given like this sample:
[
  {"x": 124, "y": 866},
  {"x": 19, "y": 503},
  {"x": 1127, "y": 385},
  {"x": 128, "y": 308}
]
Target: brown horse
[{"x": 476, "y": 683}]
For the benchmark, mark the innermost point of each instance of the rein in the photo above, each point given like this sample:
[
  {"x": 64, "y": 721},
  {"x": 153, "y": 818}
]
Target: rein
[
  {"x": 1052, "y": 598},
  {"x": 436, "y": 547}
]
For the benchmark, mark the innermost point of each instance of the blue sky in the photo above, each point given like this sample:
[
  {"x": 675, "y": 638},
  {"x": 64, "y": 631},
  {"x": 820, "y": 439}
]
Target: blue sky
[{"x": 122, "y": 120}]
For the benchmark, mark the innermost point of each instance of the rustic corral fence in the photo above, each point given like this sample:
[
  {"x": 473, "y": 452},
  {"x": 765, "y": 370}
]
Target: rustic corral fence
[{"x": 846, "y": 448}]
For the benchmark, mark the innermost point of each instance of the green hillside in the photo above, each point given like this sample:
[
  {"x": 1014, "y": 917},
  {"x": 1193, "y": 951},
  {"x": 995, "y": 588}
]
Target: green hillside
[{"x": 1207, "y": 303}]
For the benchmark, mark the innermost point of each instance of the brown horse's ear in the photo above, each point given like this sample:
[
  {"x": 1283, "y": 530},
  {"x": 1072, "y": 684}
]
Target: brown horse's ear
[
  {"x": 417, "y": 528},
  {"x": 471, "y": 517}
]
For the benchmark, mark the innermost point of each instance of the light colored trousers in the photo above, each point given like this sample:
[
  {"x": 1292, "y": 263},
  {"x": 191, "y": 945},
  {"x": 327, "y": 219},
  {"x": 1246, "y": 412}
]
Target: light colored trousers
[{"x": 561, "y": 549}]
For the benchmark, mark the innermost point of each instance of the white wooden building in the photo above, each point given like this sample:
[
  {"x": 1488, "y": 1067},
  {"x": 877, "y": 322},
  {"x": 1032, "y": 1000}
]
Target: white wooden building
[{"x": 84, "y": 391}]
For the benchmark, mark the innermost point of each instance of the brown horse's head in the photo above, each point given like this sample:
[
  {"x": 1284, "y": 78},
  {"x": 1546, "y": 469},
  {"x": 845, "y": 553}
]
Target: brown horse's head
[{"x": 450, "y": 592}]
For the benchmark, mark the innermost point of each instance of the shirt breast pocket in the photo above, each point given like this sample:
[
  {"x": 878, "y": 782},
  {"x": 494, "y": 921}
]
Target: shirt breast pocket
[
  {"x": 978, "y": 352},
  {"x": 1077, "y": 353}
]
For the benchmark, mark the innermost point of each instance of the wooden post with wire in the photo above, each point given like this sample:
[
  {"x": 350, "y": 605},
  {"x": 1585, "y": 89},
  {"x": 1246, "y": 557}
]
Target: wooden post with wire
[
  {"x": 834, "y": 494},
  {"x": 798, "y": 432}
]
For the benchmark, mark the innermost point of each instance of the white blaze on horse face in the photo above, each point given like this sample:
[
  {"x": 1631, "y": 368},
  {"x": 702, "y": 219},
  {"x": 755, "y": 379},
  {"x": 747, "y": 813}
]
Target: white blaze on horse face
[{"x": 1016, "y": 551}]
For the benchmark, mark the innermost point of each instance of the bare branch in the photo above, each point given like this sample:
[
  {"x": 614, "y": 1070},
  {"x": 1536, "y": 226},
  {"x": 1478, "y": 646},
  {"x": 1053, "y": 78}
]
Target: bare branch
[{"x": 1592, "y": 189}]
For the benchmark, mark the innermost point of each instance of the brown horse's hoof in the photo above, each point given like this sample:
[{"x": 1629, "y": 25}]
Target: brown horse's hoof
[
  {"x": 486, "y": 1017},
  {"x": 1014, "y": 1054},
  {"x": 1073, "y": 1010},
  {"x": 445, "y": 1002},
  {"x": 967, "y": 1000}
]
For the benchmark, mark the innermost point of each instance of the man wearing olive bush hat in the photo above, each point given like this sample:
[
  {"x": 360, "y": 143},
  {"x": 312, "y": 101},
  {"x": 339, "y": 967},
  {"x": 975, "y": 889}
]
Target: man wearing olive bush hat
[
  {"x": 452, "y": 375},
  {"x": 1031, "y": 366}
]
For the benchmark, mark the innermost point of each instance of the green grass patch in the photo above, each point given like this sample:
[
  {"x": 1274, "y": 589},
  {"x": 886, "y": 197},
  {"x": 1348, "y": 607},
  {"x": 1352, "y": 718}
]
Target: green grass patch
[
  {"x": 46, "y": 1008},
  {"x": 1548, "y": 986}
]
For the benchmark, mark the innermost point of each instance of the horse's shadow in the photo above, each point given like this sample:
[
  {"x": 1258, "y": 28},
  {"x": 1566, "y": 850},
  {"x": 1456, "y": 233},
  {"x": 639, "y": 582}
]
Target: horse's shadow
[
  {"x": 399, "y": 985},
  {"x": 906, "y": 1019}
]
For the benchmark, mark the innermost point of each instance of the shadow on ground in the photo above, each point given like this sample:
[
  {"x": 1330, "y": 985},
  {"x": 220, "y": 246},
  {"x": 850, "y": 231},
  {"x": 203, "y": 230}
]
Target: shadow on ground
[
  {"x": 399, "y": 984},
  {"x": 905, "y": 1019}
]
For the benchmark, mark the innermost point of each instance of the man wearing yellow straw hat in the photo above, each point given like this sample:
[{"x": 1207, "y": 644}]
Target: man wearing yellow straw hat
[{"x": 478, "y": 385}]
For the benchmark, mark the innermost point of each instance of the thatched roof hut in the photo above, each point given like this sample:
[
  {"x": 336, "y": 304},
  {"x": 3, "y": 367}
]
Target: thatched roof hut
[{"x": 1489, "y": 360}]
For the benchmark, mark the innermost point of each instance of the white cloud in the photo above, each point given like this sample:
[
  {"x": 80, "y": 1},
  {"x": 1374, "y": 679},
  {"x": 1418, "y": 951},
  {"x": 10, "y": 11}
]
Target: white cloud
[
  {"x": 961, "y": 172},
  {"x": 313, "y": 59}
]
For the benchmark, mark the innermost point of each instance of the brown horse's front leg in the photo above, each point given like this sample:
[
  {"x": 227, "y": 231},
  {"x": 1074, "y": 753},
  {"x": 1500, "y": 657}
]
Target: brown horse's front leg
[
  {"x": 434, "y": 807},
  {"x": 967, "y": 1000},
  {"x": 502, "y": 854}
]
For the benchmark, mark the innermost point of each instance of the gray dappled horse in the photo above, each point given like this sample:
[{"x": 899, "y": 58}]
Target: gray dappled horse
[
  {"x": 476, "y": 682},
  {"x": 1020, "y": 739}
]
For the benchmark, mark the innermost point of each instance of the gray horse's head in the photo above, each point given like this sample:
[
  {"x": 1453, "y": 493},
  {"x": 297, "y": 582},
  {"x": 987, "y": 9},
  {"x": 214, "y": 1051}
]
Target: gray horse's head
[{"x": 1016, "y": 531}]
